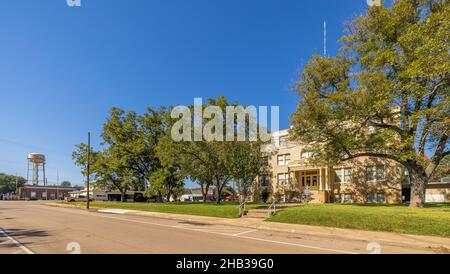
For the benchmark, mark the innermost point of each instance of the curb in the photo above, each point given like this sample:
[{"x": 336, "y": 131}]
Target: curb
[{"x": 395, "y": 239}]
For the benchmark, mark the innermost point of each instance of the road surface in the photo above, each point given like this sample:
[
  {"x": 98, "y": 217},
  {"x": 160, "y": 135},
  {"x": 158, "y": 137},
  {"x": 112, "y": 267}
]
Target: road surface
[{"x": 32, "y": 227}]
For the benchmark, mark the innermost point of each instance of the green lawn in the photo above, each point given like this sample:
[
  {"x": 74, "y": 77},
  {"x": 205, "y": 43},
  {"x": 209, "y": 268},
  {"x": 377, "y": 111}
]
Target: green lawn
[
  {"x": 224, "y": 210},
  {"x": 433, "y": 220}
]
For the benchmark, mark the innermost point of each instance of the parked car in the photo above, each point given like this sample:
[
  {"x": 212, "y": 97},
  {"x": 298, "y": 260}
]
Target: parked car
[{"x": 80, "y": 198}]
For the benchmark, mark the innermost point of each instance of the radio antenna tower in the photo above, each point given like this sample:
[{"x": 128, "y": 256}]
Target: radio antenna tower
[{"x": 325, "y": 54}]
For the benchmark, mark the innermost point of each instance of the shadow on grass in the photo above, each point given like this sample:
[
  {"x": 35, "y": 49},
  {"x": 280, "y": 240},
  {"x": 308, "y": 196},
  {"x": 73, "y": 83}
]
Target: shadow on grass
[{"x": 438, "y": 205}]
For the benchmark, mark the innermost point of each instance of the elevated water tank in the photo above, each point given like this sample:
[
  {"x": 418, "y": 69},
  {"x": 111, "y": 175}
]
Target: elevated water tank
[
  {"x": 36, "y": 158},
  {"x": 37, "y": 161}
]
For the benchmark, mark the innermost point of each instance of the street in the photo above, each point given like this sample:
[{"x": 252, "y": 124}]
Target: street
[{"x": 32, "y": 227}]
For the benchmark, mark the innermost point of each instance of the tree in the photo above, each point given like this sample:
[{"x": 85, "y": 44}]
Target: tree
[
  {"x": 8, "y": 183},
  {"x": 66, "y": 184},
  {"x": 131, "y": 140},
  {"x": 245, "y": 161},
  {"x": 386, "y": 94},
  {"x": 203, "y": 161},
  {"x": 443, "y": 170},
  {"x": 80, "y": 155},
  {"x": 128, "y": 154},
  {"x": 166, "y": 182}
]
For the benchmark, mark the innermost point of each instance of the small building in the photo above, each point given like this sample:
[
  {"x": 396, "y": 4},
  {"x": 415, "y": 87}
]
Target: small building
[
  {"x": 438, "y": 192},
  {"x": 362, "y": 180},
  {"x": 99, "y": 194},
  {"x": 35, "y": 192},
  {"x": 195, "y": 195}
]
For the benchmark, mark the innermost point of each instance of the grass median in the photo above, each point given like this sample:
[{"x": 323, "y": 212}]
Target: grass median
[
  {"x": 224, "y": 210},
  {"x": 433, "y": 220}
]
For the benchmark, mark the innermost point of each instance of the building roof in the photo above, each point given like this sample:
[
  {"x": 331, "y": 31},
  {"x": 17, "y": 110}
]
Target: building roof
[{"x": 46, "y": 187}]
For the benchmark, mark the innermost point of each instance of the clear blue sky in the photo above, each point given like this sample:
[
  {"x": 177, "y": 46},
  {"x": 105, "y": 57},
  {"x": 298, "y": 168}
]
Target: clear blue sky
[{"x": 62, "y": 68}]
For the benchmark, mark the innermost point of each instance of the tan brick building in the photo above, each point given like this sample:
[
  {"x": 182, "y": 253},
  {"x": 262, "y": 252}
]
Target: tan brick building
[{"x": 363, "y": 180}]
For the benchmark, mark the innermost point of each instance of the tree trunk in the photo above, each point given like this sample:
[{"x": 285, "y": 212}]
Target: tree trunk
[
  {"x": 218, "y": 198},
  {"x": 219, "y": 193},
  {"x": 160, "y": 197},
  {"x": 219, "y": 187},
  {"x": 123, "y": 197},
  {"x": 205, "y": 197},
  {"x": 241, "y": 205},
  {"x": 418, "y": 187}
]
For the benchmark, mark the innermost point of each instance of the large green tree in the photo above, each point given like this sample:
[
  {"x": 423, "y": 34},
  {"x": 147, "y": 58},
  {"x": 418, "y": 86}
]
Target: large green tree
[
  {"x": 66, "y": 184},
  {"x": 167, "y": 182},
  {"x": 202, "y": 161},
  {"x": 208, "y": 162},
  {"x": 386, "y": 94},
  {"x": 246, "y": 164},
  {"x": 132, "y": 139},
  {"x": 127, "y": 157},
  {"x": 8, "y": 183}
]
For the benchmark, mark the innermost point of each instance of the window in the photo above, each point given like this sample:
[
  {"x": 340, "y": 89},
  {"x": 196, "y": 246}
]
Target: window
[
  {"x": 306, "y": 154},
  {"x": 264, "y": 181},
  {"x": 344, "y": 198},
  {"x": 284, "y": 141},
  {"x": 347, "y": 175},
  {"x": 375, "y": 173},
  {"x": 283, "y": 179},
  {"x": 284, "y": 159},
  {"x": 338, "y": 176},
  {"x": 265, "y": 161},
  {"x": 376, "y": 198},
  {"x": 342, "y": 175},
  {"x": 44, "y": 195}
]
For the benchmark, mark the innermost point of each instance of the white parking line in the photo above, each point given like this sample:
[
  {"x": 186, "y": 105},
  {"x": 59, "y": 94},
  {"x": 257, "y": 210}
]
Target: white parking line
[
  {"x": 113, "y": 211},
  {"x": 231, "y": 235},
  {"x": 18, "y": 244},
  {"x": 245, "y": 232}
]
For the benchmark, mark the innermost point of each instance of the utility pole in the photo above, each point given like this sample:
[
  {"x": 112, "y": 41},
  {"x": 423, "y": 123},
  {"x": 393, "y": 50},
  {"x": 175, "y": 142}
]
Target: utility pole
[
  {"x": 88, "y": 169},
  {"x": 46, "y": 189},
  {"x": 17, "y": 191}
]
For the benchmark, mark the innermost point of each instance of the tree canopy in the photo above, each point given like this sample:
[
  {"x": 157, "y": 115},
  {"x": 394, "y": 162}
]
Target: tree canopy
[
  {"x": 8, "y": 183},
  {"x": 386, "y": 94}
]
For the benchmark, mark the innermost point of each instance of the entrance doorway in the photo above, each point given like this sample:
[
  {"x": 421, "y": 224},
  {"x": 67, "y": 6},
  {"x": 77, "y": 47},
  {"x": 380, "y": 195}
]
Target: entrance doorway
[
  {"x": 406, "y": 195},
  {"x": 310, "y": 179}
]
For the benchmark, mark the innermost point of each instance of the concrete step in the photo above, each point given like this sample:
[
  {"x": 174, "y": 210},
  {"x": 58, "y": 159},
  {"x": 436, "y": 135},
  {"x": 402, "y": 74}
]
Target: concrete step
[
  {"x": 257, "y": 213},
  {"x": 258, "y": 210}
]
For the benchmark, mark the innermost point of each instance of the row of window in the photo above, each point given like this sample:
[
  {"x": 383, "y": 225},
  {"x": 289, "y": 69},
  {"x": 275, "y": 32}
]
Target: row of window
[
  {"x": 341, "y": 175},
  {"x": 345, "y": 175},
  {"x": 285, "y": 159},
  {"x": 372, "y": 198},
  {"x": 33, "y": 195}
]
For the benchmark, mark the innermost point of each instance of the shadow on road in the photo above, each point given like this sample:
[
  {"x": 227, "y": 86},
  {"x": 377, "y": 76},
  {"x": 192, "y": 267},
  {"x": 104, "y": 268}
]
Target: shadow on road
[{"x": 26, "y": 233}]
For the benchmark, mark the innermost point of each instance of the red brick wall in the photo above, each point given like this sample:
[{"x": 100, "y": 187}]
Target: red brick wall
[{"x": 52, "y": 194}]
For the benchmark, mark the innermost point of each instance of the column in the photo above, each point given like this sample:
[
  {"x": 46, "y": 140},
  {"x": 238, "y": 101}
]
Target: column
[{"x": 321, "y": 180}]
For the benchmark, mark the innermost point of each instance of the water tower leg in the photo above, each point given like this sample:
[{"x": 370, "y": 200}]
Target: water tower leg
[{"x": 28, "y": 173}]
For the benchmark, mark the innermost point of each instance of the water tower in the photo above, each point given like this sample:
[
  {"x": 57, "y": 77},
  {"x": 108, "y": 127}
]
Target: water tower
[{"x": 37, "y": 160}]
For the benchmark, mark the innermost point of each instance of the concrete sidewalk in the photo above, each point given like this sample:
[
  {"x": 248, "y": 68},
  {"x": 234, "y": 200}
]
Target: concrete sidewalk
[{"x": 438, "y": 244}]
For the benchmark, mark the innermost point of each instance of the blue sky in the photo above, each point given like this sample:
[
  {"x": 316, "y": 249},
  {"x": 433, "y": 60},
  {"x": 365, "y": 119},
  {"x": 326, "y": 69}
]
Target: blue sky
[{"x": 63, "y": 68}]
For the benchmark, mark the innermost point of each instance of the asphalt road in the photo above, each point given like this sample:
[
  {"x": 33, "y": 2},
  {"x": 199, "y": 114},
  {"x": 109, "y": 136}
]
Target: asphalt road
[{"x": 29, "y": 227}]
